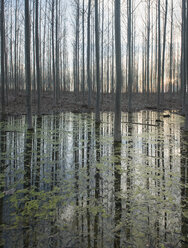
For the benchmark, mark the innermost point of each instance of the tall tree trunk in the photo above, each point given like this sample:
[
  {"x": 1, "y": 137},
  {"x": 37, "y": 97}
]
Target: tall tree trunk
[
  {"x": 83, "y": 50},
  {"x": 117, "y": 123},
  {"x": 77, "y": 85},
  {"x": 112, "y": 77},
  {"x": 2, "y": 58},
  {"x": 15, "y": 50},
  {"x": 53, "y": 52},
  {"x": 44, "y": 51},
  {"x": 27, "y": 63},
  {"x": 97, "y": 61},
  {"x": 57, "y": 54},
  {"x": 152, "y": 51},
  {"x": 102, "y": 53},
  {"x": 164, "y": 46},
  {"x": 156, "y": 47},
  {"x": 37, "y": 58},
  {"x": 108, "y": 53},
  {"x": 143, "y": 65},
  {"x": 11, "y": 53},
  {"x": 130, "y": 76},
  {"x": 88, "y": 52},
  {"x": 184, "y": 61},
  {"x": 159, "y": 53},
  {"x": 65, "y": 56},
  {"x": 171, "y": 49},
  {"x": 34, "y": 53},
  {"x": 148, "y": 49}
]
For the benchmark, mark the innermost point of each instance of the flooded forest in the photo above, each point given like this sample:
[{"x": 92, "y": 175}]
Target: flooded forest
[{"x": 94, "y": 124}]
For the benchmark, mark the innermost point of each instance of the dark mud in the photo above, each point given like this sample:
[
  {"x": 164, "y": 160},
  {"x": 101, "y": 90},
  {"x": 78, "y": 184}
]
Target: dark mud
[{"x": 70, "y": 102}]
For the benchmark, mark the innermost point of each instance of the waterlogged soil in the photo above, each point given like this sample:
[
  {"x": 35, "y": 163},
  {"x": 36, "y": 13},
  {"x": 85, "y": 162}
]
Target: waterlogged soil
[
  {"x": 66, "y": 184},
  {"x": 69, "y": 102}
]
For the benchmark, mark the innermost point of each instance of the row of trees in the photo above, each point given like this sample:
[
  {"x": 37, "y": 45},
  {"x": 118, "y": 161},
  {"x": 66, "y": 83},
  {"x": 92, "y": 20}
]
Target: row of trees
[{"x": 154, "y": 53}]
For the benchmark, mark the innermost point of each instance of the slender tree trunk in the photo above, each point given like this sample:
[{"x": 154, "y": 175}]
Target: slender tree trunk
[
  {"x": 171, "y": 50},
  {"x": 130, "y": 76},
  {"x": 97, "y": 51},
  {"x": 77, "y": 85},
  {"x": 143, "y": 66},
  {"x": 2, "y": 58},
  {"x": 15, "y": 50},
  {"x": 102, "y": 53},
  {"x": 11, "y": 53},
  {"x": 88, "y": 53},
  {"x": 117, "y": 123},
  {"x": 159, "y": 53},
  {"x": 112, "y": 77},
  {"x": 151, "y": 71},
  {"x": 53, "y": 52},
  {"x": 37, "y": 59},
  {"x": 156, "y": 48},
  {"x": 83, "y": 50},
  {"x": 57, "y": 55},
  {"x": 34, "y": 57},
  {"x": 93, "y": 62},
  {"x": 164, "y": 46},
  {"x": 148, "y": 49},
  {"x": 44, "y": 51},
  {"x": 184, "y": 61},
  {"x": 65, "y": 57},
  {"x": 27, "y": 63},
  {"x": 183, "y": 86},
  {"x": 108, "y": 53}
]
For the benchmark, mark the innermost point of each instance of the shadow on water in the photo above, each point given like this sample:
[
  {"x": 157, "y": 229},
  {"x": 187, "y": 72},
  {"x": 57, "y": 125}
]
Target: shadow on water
[{"x": 67, "y": 184}]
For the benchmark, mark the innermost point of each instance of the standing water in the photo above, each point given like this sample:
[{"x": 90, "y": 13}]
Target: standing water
[{"x": 66, "y": 184}]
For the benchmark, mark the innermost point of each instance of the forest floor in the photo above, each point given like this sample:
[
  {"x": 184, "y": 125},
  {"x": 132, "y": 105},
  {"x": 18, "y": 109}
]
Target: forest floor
[{"x": 69, "y": 102}]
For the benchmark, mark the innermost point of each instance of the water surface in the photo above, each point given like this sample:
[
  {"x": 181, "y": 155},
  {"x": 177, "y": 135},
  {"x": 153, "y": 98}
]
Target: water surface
[{"x": 68, "y": 185}]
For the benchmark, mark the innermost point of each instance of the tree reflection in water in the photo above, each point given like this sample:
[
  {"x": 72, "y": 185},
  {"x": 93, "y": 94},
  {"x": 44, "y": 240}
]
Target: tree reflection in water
[
  {"x": 117, "y": 192},
  {"x": 27, "y": 187},
  {"x": 67, "y": 184},
  {"x": 2, "y": 175},
  {"x": 184, "y": 188}
]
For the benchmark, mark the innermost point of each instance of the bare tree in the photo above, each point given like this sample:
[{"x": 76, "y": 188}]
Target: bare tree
[
  {"x": 117, "y": 123},
  {"x": 53, "y": 50},
  {"x": 97, "y": 61},
  {"x": 159, "y": 53},
  {"x": 2, "y": 58},
  {"x": 164, "y": 46},
  {"x": 130, "y": 57},
  {"x": 27, "y": 64},
  {"x": 148, "y": 48},
  {"x": 15, "y": 49},
  {"x": 88, "y": 53},
  {"x": 57, "y": 54},
  {"x": 83, "y": 48},
  {"x": 184, "y": 61},
  {"x": 171, "y": 49},
  {"x": 77, "y": 49},
  {"x": 37, "y": 58},
  {"x": 112, "y": 66}
]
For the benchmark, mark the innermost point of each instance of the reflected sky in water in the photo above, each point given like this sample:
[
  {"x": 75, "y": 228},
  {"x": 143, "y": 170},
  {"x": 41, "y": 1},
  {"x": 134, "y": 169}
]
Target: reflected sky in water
[{"x": 68, "y": 185}]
